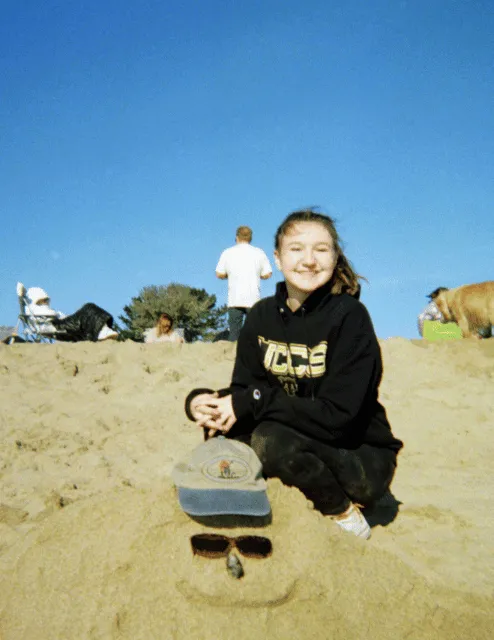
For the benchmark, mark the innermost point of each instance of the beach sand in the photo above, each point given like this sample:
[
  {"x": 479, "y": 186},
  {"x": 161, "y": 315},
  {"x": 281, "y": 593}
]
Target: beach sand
[{"x": 93, "y": 544}]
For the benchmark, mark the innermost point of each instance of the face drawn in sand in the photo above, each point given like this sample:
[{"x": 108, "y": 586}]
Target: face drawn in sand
[{"x": 120, "y": 566}]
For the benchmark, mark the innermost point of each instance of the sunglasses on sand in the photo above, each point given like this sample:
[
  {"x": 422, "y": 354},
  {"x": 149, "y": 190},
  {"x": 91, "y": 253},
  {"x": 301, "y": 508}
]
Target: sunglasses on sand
[{"x": 215, "y": 545}]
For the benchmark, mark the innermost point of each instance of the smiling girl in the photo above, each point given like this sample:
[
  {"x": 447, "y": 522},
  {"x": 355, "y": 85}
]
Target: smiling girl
[{"x": 304, "y": 390}]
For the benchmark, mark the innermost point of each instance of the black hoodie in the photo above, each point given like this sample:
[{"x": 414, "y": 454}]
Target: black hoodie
[{"x": 325, "y": 385}]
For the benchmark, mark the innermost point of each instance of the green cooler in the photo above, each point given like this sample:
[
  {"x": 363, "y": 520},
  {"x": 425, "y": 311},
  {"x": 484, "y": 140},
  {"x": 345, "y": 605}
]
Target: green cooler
[{"x": 435, "y": 330}]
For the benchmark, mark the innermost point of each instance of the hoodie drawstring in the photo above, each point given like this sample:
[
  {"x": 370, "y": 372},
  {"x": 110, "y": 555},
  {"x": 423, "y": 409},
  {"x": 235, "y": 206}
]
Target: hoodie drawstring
[
  {"x": 284, "y": 317},
  {"x": 309, "y": 364}
]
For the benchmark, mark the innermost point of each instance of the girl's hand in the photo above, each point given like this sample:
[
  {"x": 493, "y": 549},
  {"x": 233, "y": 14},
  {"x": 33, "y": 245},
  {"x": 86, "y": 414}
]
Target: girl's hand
[
  {"x": 201, "y": 409},
  {"x": 225, "y": 415}
]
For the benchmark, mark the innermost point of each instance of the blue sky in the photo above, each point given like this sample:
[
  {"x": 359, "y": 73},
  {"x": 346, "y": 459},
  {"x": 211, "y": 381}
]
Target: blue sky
[{"x": 137, "y": 135}]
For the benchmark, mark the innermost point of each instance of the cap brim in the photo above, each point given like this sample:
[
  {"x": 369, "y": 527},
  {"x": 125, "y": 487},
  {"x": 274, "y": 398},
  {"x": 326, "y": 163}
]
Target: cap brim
[{"x": 211, "y": 502}]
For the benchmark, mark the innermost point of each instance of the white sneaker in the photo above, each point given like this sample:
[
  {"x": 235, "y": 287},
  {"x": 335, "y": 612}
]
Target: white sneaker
[
  {"x": 106, "y": 333},
  {"x": 353, "y": 521}
]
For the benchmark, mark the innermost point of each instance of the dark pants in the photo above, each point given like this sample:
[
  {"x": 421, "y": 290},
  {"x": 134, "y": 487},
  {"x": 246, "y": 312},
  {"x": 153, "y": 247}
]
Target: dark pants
[
  {"x": 330, "y": 477},
  {"x": 84, "y": 324},
  {"x": 236, "y": 317}
]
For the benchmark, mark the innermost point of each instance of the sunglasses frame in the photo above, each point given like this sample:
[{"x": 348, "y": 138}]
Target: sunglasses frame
[{"x": 231, "y": 543}]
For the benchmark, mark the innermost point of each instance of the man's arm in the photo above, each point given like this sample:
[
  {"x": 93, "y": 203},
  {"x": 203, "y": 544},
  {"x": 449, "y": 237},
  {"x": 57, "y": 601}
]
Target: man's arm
[
  {"x": 221, "y": 267},
  {"x": 266, "y": 271}
]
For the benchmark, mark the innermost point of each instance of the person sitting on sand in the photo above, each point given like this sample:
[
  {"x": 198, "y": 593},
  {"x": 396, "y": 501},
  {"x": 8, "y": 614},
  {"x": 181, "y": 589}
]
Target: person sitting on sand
[
  {"x": 90, "y": 322},
  {"x": 304, "y": 389},
  {"x": 163, "y": 331}
]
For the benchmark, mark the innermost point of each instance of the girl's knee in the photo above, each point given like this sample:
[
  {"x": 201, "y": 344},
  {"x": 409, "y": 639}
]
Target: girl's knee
[
  {"x": 283, "y": 456},
  {"x": 264, "y": 443},
  {"x": 273, "y": 446}
]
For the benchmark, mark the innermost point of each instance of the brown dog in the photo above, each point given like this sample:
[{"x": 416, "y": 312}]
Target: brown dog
[{"x": 470, "y": 306}]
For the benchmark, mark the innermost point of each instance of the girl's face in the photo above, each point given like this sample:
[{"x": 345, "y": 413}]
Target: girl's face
[
  {"x": 165, "y": 324},
  {"x": 306, "y": 257}
]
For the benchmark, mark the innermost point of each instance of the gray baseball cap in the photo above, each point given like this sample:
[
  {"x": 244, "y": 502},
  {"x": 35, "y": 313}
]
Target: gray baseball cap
[{"x": 221, "y": 477}]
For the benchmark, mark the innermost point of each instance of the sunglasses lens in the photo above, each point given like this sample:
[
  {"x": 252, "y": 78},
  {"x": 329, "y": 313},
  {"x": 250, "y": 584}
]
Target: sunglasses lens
[
  {"x": 254, "y": 546},
  {"x": 210, "y": 545}
]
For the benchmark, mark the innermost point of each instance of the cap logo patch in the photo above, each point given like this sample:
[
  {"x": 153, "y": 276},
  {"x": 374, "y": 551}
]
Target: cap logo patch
[{"x": 231, "y": 469}]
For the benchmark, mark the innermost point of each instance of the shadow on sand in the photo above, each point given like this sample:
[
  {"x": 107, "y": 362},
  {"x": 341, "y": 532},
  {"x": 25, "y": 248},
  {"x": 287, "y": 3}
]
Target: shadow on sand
[{"x": 384, "y": 511}]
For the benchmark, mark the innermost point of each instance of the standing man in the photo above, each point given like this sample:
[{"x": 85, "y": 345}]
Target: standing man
[{"x": 244, "y": 266}]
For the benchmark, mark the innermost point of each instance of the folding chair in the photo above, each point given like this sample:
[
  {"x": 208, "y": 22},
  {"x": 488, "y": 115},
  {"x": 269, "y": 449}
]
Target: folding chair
[{"x": 31, "y": 328}]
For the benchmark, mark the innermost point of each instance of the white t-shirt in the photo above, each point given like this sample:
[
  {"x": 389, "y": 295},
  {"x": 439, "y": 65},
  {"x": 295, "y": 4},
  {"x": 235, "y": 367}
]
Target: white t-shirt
[
  {"x": 244, "y": 265},
  {"x": 151, "y": 336},
  {"x": 35, "y": 310}
]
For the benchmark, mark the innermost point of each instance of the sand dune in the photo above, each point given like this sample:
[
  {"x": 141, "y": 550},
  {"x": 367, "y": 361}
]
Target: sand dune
[{"x": 94, "y": 545}]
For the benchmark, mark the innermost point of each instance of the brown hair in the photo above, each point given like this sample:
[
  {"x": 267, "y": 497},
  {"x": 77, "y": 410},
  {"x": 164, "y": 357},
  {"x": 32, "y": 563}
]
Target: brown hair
[
  {"x": 433, "y": 294},
  {"x": 344, "y": 279},
  {"x": 244, "y": 234},
  {"x": 160, "y": 331}
]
